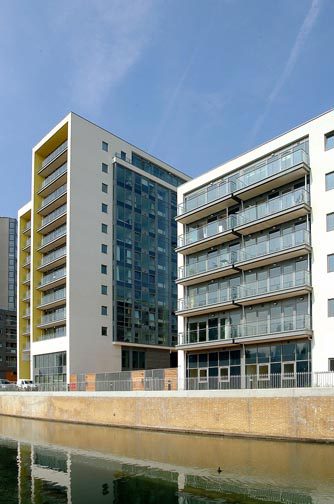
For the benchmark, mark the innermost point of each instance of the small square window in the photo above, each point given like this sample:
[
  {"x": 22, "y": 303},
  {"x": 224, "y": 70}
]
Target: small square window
[
  {"x": 330, "y": 222},
  {"x": 104, "y": 208},
  {"x": 104, "y": 248},
  {"x": 105, "y": 146},
  {"x": 104, "y": 310},
  {"x": 331, "y": 364},
  {"x": 104, "y": 269},
  {"x": 104, "y": 331},
  {"x": 123, "y": 155},
  {"x": 331, "y": 307},
  {"x": 105, "y": 168},
  {"x": 104, "y": 228},
  {"x": 104, "y": 187},
  {"x": 330, "y": 263},
  {"x": 104, "y": 289},
  {"x": 329, "y": 141},
  {"x": 329, "y": 181}
]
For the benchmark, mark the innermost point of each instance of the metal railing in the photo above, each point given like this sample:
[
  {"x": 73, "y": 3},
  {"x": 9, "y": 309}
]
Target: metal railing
[
  {"x": 208, "y": 298},
  {"x": 221, "y": 260},
  {"x": 208, "y": 194},
  {"x": 251, "y": 175},
  {"x": 207, "y": 231},
  {"x": 57, "y": 233},
  {"x": 272, "y": 166},
  {"x": 55, "y": 316},
  {"x": 273, "y": 206},
  {"x": 53, "y": 215},
  {"x": 52, "y": 256},
  {"x": 53, "y": 196},
  {"x": 53, "y": 296},
  {"x": 257, "y": 328},
  {"x": 54, "y": 154},
  {"x": 273, "y": 285},
  {"x": 54, "y": 175},
  {"x": 27, "y": 228},
  {"x": 57, "y": 332},
  {"x": 228, "y": 382},
  {"x": 51, "y": 277}
]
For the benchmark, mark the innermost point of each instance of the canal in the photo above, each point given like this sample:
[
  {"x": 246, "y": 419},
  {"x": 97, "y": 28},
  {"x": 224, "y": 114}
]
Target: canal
[{"x": 53, "y": 463}]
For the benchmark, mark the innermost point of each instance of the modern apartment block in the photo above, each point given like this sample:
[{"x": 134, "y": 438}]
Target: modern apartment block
[
  {"x": 8, "y": 252},
  {"x": 97, "y": 266},
  {"x": 256, "y": 264}
]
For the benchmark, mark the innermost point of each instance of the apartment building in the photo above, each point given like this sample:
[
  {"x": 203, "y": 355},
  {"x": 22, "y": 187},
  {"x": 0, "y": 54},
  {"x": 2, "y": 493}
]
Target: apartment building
[
  {"x": 97, "y": 266},
  {"x": 256, "y": 265},
  {"x": 8, "y": 248}
]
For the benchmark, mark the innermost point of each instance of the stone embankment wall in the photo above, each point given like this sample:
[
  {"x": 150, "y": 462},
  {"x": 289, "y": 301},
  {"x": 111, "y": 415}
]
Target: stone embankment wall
[{"x": 295, "y": 414}]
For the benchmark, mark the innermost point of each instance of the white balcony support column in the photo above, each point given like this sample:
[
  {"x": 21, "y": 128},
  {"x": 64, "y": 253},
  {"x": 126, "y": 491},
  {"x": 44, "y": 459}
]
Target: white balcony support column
[{"x": 181, "y": 369}]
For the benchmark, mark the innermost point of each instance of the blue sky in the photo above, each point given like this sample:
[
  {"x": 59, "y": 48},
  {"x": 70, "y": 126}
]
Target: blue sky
[{"x": 194, "y": 82}]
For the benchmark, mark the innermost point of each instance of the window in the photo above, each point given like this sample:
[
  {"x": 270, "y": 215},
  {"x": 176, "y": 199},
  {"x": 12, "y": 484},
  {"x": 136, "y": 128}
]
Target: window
[
  {"x": 224, "y": 374},
  {"x": 331, "y": 307},
  {"x": 105, "y": 168},
  {"x": 329, "y": 181},
  {"x": 203, "y": 375},
  {"x": 104, "y": 248},
  {"x": 104, "y": 310},
  {"x": 104, "y": 289},
  {"x": 104, "y": 331},
  {"x": 104, "y": 187},
  {"x": 104, "y": 269},
  {"x": 331, "y": 364},
  {"x": 329, "y": 140},
  {"x": 123, "y": 155},
  {"x": 104, "y": 228},
  {"x": 105, "y": 146},
  {"x": 330, "y": 263},
  {"x": 104, "y": 208},
  {"x": 330, "y": 221}
]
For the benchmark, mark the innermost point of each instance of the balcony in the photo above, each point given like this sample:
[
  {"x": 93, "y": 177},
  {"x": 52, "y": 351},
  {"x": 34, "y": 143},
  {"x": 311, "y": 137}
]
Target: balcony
[
  {"x": 53, "y": 220},
  {"x": 26, "y": 330},
  {"x": 207, "y": 302},
  {"x": 280, "y": 287},
  {"x": 295, "y": 326},
  {"x": 53, "y": 239},
  {"x": 57, "y": 277},
  {"x": 26, "y": 278},
  {"x": 27, "y": 262},
  {"x": 53, "y": 181},
  {"x": 276, "y": 249},
  {"x": 26, "y": 313},
  {"x": 54, "y": 160},
  {"x": 52, "y": 259},
  {"x": 57, "y": 332},
  {"x": 206, "y": 201},
  {"x": 208, "y": 269},
  {"x": 26, "y": 296},
  {"x": 206, "y": 236},
  {"x": 27, "y": 228},
  {"x": 53, "y": 319},
  {"x": 53, "y": 299},
  {"x": 27, "y": 244},
  {"x": 287, "y": 166},
  {"x": 53, "y": 200},
  {"x": 291, "y": 205}
]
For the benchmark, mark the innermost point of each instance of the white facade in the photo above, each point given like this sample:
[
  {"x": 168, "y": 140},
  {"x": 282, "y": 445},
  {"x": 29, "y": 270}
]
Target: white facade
[{"x": 311, "y": 205}]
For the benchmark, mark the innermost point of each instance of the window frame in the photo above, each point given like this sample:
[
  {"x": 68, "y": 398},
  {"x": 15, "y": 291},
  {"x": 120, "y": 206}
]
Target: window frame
[
  {"x": 104, "y": 168},
  {"x": 105, "y": 146},
  {"x": 329, "y": 136},
  {"x": 104, "y": 310},
  {"x": 104, "y": 188},
  {"x": 329, "y": 310},
  {"x": 327, "y": 177},
  {"x": 328, "y": 263},
  {"x": 327, "y": 223}
]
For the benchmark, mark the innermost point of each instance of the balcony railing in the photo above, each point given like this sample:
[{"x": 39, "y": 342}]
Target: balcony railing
[
  {"x": 27, "y": 228},
  {"x": 27, "y": 243},
  {"x": 57, "y": 233},
  {"x": 62, "y": 148},
  {"x": 207, "y": 265},
  {"x": 26, "y": 294},
  {"x": 55, "y": 316},
  {"x": 275, "y": 244},
  {"x": 273, "y": 206},
  {"x": 53, "y": 196},
  {"x": 27, "y": 261},
  {"x": 51, "y": 277},
  {"x": 53, "y": 296},
  {"x": 279, "y": 283},
  {"x": 260, "y": 328},
  {"x": 208, "y": 194},
  {"x": 53, "y": 215},
  {"x": 207, "y": 231},
  {"x": 272, "y": 166},
  {"x": 52, "y": 256},
  {"x": 208, "y": 298},
  {"x": 57, "y": 173},
  {"x": 212, "y": 296},
  {"x": 57, "y": 332}
]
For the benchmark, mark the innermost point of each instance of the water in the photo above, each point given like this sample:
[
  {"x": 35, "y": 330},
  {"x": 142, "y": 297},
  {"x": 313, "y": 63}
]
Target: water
[{"x": 54, "y": 463}]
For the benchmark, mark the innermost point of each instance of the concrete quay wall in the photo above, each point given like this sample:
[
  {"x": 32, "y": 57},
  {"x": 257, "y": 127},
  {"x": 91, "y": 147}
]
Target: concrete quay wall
[{"x": 291, "y": 414}]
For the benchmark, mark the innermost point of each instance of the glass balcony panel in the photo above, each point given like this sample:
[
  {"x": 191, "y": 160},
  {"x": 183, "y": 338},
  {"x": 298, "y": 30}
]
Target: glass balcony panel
[
  {"x": 193, "y": 235},
  {"x": 55, "y": 275},
  {"x": 54, "y": 154},
  {"x": 54, "y": 195},
  {"x": 53, "y": 215},
  {"x": 54, "y": 235},
  {"x": 54, "y": 316},
  {"x": 57, "y": 173},
  {"x": 52, "y": 256}
]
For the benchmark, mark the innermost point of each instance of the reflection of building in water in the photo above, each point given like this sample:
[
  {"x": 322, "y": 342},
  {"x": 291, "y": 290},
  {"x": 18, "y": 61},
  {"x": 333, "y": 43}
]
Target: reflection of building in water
[{"x": 59, "y": 476}]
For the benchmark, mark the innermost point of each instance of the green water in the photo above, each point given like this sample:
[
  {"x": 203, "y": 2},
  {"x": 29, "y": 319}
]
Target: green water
[{"x": 50, "y": 463}]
